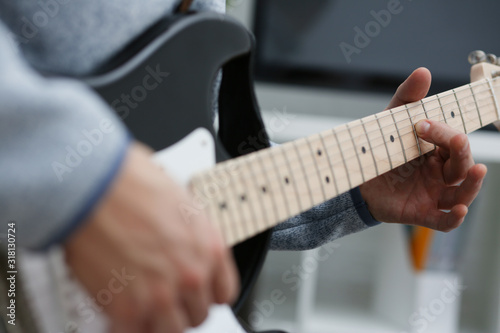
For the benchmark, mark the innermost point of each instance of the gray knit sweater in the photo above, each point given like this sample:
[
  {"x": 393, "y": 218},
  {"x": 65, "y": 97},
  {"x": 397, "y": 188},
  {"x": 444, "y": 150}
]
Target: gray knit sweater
[{"x": 61, "y": 147}]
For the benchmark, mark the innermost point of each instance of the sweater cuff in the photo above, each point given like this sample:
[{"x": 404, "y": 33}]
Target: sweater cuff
[
  {"x": 98, "y": 193},
  {"x": 362, "y": 208}
]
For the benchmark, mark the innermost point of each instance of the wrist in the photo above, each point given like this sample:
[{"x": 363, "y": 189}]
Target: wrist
[{"x": 362, "y": 207}]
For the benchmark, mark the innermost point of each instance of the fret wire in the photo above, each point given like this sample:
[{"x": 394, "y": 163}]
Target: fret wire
[
  {"x": 494, "y": 96},
  {"x": 357, "y": 155},
  {"x": 385, "y": 142},
  {"x": 414, "y": 131},
  {"x": 399, "y": 121},
  {"x": 410, "y": 147},
  {"x": 380, "y": 129},
  {"x": 423, "y": 107},
  {"x": 224, "y": 214},
  {"x": 294, "y": 182},
  {"x": 268, "y": 184},
  {"x": 479, "y": 83},
  {"x": 237, "y": 213},
  {"x": 477, "y": 106},
  {"x": 249, "y": 202},
  {"x": 342, "y": 158},
  {"x": 399, "y": 135},
  {"x": 415, "y": 145},
  {"x": 212, "y": 206},
  {"x": 281, "y": 185},
  {"x": 329, "y": 163},
  {"x": 370, "y": 145},
  {"x": 311, "y": 149},
  {"x": 441, "y": 107},
  {"x": 244, "y": 226},
  {"x": 460, "y": 109},
  {"x": 261, "y": 204},
  {"x": 345, "y": 157},
  {"x": 426, "y": 115},
  {"x": 405, "y": 149},
  {"x": 294, "y": 143},
  {"x": 402, "y": 134}
]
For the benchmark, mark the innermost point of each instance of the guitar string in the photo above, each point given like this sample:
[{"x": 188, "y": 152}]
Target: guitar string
[
  {"x": 336, "y": 160},
  {"x": 394, "y": 124},
  {"x": 425, "y": 111},
  {"x": 356, "y": 138},
  {"x": 234, "y": 227},
  {"x": 351, "y": 153},
  {"x": 436, "y": 98},
  {"x": 276, "y": 187},
  {"x": 330, "y": 169},
  {"x": 335, "y": 156}
]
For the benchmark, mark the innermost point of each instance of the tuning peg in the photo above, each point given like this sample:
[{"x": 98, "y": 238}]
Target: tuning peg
[
  {"x": 491, "y": 58},
  {"x": 475, "y": 57}
]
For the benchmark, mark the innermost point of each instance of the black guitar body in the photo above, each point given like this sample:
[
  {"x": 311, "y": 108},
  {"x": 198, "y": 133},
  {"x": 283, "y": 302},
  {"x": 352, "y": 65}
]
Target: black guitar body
[{"x": 161, "y": 85}]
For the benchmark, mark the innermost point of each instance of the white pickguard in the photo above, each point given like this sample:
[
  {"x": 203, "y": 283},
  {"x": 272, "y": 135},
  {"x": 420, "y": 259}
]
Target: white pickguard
[
  {"x": 194, "y": 153},
  {"x": 61, "y": 305}
]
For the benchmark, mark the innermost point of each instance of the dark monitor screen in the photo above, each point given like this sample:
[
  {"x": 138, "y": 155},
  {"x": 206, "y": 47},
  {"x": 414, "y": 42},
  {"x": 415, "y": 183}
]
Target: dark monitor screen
[{"x": 372, "y": 44}]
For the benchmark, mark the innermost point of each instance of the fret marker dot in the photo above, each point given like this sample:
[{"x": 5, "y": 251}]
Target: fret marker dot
[
  {"x": 264, "y": 189},
  {"x": 243, "y": 197},
  {"x": 392, "y": 138},
  {"x": 223, "y": 206},
  {"x": 452, "y": 114},
  {"x": 319, "y": 152},
  {"x": 287, "y": 180},
  {"x": 363, "y": 149},
  {"x": 327, "y": 179}
]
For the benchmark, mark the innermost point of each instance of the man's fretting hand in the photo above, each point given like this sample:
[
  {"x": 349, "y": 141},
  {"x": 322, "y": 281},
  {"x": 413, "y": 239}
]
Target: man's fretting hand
[
  {"x": 179, "y": 267},
  {"x": 448, "y": 179}
]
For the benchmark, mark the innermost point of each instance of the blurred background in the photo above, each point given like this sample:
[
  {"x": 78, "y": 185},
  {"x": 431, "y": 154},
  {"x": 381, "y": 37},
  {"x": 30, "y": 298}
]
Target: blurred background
[{"x": 321, "y": 63}]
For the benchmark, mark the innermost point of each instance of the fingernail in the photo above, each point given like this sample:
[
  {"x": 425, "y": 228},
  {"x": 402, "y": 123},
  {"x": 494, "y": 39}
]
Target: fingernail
[{"x": 422, "y": 127}]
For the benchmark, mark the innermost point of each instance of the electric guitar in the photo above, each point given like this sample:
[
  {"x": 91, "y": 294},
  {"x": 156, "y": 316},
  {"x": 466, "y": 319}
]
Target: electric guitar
[{"x": 162, "y": 87}]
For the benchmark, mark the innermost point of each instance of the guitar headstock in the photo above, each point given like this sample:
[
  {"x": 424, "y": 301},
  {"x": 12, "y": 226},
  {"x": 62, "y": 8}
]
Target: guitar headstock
[{"x": 485, "y": 66}]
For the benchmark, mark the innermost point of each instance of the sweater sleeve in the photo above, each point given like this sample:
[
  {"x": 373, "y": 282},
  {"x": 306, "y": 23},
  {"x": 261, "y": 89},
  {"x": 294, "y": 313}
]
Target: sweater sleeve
[
  {"x": 60, "y": 149},
  {"x": 338, "y": 217}
]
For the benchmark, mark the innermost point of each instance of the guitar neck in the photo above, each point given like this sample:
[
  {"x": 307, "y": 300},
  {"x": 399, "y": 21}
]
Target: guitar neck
[{"x": 255, "y": 192}]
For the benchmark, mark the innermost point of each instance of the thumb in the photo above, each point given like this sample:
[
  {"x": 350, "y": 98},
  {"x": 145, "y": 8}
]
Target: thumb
[{"x": 415, "y": 87}]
